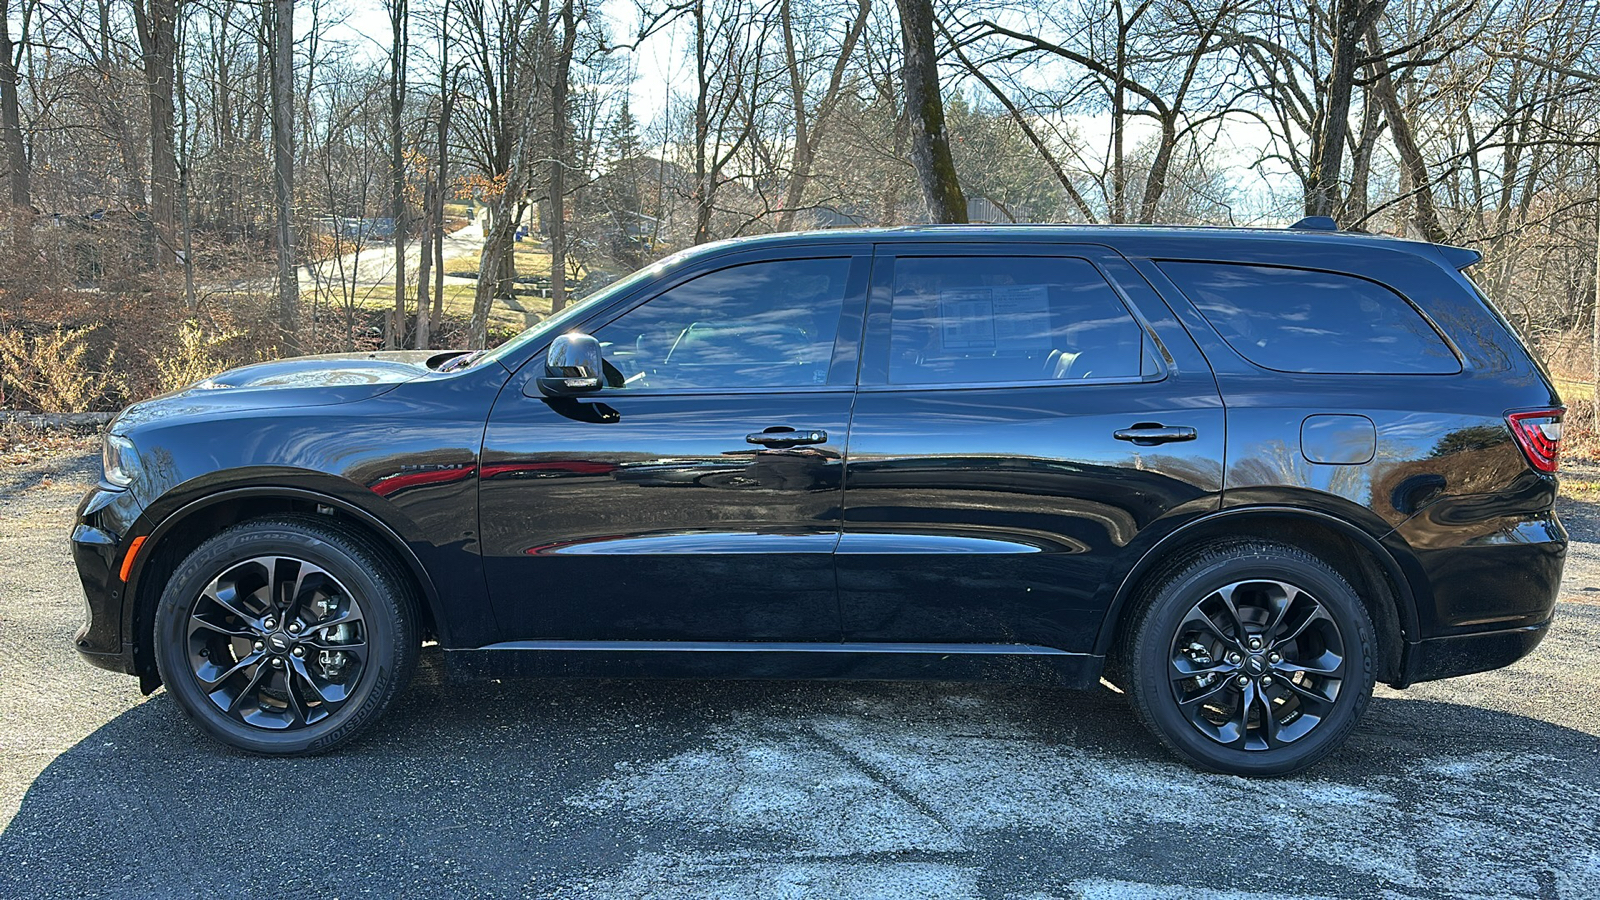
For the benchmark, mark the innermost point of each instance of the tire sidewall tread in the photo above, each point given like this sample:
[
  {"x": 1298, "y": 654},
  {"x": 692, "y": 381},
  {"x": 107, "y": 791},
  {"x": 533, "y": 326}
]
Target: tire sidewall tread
[
  {"x": 388, "y": 603},
  {"x": 1147, "y": 642}
]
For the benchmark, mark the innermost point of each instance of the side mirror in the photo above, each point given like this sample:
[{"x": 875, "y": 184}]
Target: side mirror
[{"x": 572, "y": 366}]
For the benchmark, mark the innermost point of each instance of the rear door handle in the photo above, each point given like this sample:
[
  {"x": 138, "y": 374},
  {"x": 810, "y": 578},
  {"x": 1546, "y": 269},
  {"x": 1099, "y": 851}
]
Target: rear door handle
[
  {"x": 782, "y": 436},
  {"x": 1147, "y": 435}
]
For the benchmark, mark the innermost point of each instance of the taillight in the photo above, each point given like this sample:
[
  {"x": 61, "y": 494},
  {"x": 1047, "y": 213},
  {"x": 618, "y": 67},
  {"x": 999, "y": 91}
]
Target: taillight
[{"x": 1538, "y": 433}]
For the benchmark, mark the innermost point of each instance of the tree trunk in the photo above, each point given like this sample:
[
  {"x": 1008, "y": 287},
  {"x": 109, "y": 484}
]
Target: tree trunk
[
  {"x": 559, "y": 84},
  {"x": 1155, "y": 183},
  {"x": 1351, "y": 20},
  {"x": 1357, "y": 205},
  {"x": 447, "y": 103},
  {"x": 703, "y": 188},
  {"x": 16, "y": 154},
  {"x": 283, "y": 173},
  {"x": 889, "y": 200},
  {"x": 930, "y": 144},
  {"x": 1426, "y": 217},
  {"x": 1119, "y": 115},
  {"x": 191, "y": 299},
  {"x": 499, "y": 243},
  {"x": 425, "y": 264},
  {"x": 157, "y": 26},
  {"x": 800, "y": 169},
  {"x": 399, "y": 21},
  {"x": 437, "y": 249}
]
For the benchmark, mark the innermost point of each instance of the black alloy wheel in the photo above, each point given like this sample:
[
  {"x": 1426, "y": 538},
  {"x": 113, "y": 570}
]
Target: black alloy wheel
[
  {"x": 1257, "y": 664},
  {"x": 277, "y": 642},
  {"x": 285, "y": 636},
  {"x": 1251, "y": 659}
]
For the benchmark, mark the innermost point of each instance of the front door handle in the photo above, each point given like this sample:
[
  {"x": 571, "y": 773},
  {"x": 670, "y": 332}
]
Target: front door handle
[
  {"x": 782, "y": 436},
  {"x": 1148, "y": 435}
]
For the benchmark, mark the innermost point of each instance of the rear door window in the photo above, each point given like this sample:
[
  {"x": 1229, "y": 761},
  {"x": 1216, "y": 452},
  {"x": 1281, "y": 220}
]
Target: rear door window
[
  {"x": 1300, "y": 320},
  {"x": 998, "y": 319}
]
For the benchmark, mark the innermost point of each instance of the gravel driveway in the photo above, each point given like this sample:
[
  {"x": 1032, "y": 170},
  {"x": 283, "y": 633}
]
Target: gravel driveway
[{"x": 1479, "y": 787}]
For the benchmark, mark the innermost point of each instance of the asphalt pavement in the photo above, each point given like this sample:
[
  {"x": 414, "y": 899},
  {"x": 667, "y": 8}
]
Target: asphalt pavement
[{"x": 1484, "y": 786}]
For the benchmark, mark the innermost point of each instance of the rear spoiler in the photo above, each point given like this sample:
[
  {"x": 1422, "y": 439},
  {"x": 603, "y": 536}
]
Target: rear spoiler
[{"x": 1459, "y": 257}]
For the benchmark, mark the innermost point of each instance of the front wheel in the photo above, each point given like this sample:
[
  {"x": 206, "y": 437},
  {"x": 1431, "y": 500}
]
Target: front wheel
[
  {"x": 285, "y": 636},
  {"x": 1251, "y": 659}
]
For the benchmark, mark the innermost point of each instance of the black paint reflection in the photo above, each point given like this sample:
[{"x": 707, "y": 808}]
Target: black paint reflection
[
  {"x": 1017, "y": 535},
  {"x": 664, "y": 523}
]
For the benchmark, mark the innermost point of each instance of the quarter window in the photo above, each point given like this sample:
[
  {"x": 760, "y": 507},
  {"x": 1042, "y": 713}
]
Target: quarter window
[
  {"x": 767, "y": 324},
  {"x": 1009, "y": 319},
  {"x": 1298, "y": 320}
]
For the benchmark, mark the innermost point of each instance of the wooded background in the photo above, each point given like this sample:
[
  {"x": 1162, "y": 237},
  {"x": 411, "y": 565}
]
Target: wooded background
[{"x": 192, "y": 183}]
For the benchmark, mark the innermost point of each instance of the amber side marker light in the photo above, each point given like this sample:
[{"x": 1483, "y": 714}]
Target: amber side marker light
[
  {"x": 133, "y": 552},
  {"x": 1538, "y": 433}
]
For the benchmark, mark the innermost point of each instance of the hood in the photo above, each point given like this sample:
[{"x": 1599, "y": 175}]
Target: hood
[
  {"x": 302, "y": 381},
  {"x": 328, "y": 370}
]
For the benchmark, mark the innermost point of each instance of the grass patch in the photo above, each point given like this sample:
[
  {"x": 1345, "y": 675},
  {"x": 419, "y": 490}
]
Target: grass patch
[
  {"x": 1580, "y": 489},
  {"x": 457, "y": 301},
  {"x": 531, "y": 259}
]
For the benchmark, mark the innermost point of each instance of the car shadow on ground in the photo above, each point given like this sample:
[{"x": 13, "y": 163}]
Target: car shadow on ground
[{"x": 741, "y": 789}]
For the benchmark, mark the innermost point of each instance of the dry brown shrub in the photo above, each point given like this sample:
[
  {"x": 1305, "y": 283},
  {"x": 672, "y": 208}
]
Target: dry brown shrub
[
  {"x": 1578, "y": 437},
  {"x": 198, "y": 352},
  {"x": 56, "y": 372}
]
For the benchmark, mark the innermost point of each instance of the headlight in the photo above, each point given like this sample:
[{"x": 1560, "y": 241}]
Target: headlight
[{"x": 117, "y": 458}]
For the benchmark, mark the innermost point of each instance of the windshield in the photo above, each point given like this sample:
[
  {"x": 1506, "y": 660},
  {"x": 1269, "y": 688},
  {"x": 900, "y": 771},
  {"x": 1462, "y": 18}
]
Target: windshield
[{"x": 554, "y": 325}]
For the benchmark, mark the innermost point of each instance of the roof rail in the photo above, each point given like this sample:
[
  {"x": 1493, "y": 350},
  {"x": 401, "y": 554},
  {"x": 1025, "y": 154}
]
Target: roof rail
[{"x": 1316, "y": 223}]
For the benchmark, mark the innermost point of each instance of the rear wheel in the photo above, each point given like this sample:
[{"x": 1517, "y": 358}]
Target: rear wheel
[
  {"x": 285, "y": 636},
  {"x": 1251, "y": 659}
]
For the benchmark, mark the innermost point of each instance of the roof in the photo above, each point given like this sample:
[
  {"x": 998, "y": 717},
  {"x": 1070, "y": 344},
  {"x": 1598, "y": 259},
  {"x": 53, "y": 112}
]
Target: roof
[{"x": 1144, "y": 240}]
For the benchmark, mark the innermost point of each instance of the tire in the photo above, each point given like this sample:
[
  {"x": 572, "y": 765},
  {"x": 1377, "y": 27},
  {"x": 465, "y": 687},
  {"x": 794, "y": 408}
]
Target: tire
[
  {"x": 286, "y": 636},
  {"x": 1306, "y": 683}
]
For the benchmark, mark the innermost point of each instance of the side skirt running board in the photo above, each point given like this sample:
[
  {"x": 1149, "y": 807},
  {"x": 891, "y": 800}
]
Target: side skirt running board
[{"x": 1009, "y": 663}]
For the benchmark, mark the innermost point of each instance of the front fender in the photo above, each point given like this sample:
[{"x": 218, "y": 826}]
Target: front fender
[{"x": 190, "y": 502}]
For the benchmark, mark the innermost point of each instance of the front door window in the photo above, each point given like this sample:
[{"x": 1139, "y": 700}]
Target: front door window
[{"x": 766, "y": 324}]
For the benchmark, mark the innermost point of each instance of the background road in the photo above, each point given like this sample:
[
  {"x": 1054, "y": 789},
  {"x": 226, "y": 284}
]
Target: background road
[
  {"x": 374, "y": 265},
  {"x": 1483, "y": 786}
]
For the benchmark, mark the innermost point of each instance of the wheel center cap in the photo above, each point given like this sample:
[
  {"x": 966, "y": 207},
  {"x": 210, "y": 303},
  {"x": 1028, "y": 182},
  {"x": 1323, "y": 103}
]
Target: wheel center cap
[
  {"x": 1255, "y": 665},
  {"x": 279, "y": 642}
]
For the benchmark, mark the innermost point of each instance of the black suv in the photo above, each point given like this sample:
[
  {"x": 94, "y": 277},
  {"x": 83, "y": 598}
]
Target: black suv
[{"x": 1238, "y": 474}]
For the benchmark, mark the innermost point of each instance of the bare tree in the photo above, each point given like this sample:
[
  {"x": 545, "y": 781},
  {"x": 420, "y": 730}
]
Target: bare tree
[
  {"x": 1352, "y": 19},
  {"x": 18, "y": 173},
  {"x": 812, "y": 120},
  {"x": 400, "y": 29},
  {"x": 500, "y": 41},
  {"x": 560, "y": 79},
  {"x": 1405, "y": 142},
  {"x": 447, "y": 103},
  {"x": 283, "y": 96},
  {"x": 157, "y": 25},
  {"x": 930, "y": 144},
  {"x": 1128, "y": 55}
]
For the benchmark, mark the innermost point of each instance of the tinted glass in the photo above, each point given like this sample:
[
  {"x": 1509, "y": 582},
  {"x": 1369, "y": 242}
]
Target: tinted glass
[
  {"x": 1296, "y": 320},
  {"x": 768, "y": 324},
  {"x": 1008, "y": 319}
]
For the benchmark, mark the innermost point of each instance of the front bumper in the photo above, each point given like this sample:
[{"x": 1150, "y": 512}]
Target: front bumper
[{"x": 99, "y": 540}]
